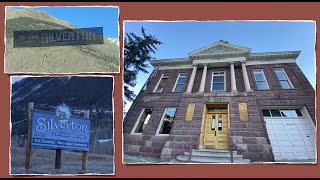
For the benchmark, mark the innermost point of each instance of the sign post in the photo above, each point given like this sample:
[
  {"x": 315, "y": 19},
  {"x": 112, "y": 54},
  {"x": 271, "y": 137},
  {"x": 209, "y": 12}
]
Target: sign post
[
  {"x": 57, "y": 163},
  {"x": 28, "y": 146},
  {"x": 84, "y": 153}
]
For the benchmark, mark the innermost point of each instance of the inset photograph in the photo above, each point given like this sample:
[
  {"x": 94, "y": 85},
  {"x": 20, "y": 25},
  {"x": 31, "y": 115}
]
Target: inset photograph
[
  {"x": 219, "y": 92},
  {"x": 62, "y": 125},
  {"x": 61, "y": 40}
]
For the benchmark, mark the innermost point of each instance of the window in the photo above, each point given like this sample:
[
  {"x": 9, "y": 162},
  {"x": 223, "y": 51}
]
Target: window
[
  {"x": 218, "y": 81},
  {"x": 180, "y": 82},
  {"x": 281, "y": 113},
  {"x": 283, "y": 78},
  {"x": 142, "y": 121},
  {"x": 260, "y": 79},
  {"x": 167, "y": 121},
  {"x": 161, "y": 83}
]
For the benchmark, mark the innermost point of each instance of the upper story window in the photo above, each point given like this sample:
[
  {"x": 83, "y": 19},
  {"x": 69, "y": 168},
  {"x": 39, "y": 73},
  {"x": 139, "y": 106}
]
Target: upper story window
[
  {"x": 283, "y": 78},
  {"x": 142, "y": 121},
  {"x": 218, "y": 81},
  {"x": 180, "y": 82},
  {"x": 166, "y": 122},
  {"x": 160, "y": 85},
  {"x": 260, "y": 79}
]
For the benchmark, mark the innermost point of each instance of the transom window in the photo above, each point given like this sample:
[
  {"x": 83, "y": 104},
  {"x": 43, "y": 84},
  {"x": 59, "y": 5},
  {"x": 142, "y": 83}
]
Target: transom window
[
  {"x": 142, "y": 121},
  {"x": 260, "y": 79},
  {"x": 180, "y": 82},
  {"x": 166, "y": 122},
  {"x": 281, "y": 113},
  {"x": 218, "y": 81},
  {"x": 283, "y": 78},
  {"x": 160, "y": 85}
]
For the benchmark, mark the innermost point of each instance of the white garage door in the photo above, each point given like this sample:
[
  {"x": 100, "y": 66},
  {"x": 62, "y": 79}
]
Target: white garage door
[{"x": 291, "y": 134}]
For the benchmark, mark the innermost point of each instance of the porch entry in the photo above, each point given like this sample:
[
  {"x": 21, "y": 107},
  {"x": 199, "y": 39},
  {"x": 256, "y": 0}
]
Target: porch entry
[{"x": 216, "y": 126}]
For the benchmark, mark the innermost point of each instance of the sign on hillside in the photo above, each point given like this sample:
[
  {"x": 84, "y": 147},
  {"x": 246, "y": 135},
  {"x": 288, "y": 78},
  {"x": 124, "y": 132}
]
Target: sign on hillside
[
  {"x": 59, "y": 37},
  {"x": 60, "y": 132}
]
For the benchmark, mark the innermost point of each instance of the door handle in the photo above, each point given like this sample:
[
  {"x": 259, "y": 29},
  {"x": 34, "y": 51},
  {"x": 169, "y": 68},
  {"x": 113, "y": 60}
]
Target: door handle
[{"x": 215, "y": 133}]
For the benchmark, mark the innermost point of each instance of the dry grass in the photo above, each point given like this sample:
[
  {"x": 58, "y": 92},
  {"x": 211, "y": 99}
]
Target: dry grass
[{"x": 42, "y": 162}]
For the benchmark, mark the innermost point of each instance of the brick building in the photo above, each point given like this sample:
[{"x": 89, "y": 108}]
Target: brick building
[{"x": 224, "y": 97}]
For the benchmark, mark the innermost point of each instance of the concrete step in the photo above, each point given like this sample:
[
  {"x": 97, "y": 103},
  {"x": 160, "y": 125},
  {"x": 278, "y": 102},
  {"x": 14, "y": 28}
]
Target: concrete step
[
  {"x": 198, "y": 159},
  {"x": 214, "y": 155}
]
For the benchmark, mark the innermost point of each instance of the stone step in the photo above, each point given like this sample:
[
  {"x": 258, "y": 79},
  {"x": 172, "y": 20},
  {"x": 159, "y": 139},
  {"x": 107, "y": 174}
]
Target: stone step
[
  {"x": 214, "y": 155},
  {"x": 213, "y": 151},
  {"x": 197, "y": 159}
]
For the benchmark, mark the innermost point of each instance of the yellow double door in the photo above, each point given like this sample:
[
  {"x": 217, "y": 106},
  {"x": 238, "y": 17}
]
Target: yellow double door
[{"x": 216, "y": 131}]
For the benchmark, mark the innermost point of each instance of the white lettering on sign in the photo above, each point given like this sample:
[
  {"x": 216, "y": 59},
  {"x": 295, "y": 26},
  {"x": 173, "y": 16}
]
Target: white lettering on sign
[
  {"x": 67, "y": 36},
  {"x": 45, "y": 125}
]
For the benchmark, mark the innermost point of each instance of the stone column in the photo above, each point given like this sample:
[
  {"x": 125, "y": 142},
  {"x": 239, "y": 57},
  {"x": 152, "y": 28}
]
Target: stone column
[
  {"x": 245, "y": 77},
  {"x": 203, "y": 79},
  {"x": 191, "y": 81},
  {"x": 233, "y": 78}
]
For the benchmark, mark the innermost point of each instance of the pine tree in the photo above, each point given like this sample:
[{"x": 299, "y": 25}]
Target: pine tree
[{"x": 137, "y": 52}]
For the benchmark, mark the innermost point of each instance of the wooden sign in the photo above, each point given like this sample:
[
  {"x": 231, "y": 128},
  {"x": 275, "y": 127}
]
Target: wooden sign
[
  {"x": 190, "y": 111},
  {"x": 243, "y": 111},
  {"x": 58, "y": 37},
  {"x": 48, "y": 131}
]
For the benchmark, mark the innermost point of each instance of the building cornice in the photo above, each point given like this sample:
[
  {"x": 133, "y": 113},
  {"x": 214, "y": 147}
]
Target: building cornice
[
  {"x": 273, "y": 55},
  {"x": 173, "y": 61}
]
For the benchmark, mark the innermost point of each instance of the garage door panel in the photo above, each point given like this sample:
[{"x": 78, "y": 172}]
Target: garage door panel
[
  {"x": 282, "y": 136},
  {"x": 297, "y": 143},
  {"x": 291, "y": 138},
  {"x": 269, "y": 126},
  {"x": 313, "y": 154},
  {"x": 299, "y": 149},
  {"x": 310, "y": 143},
  {"x": 282, "y": 127},
  {"x": 295, "y": 137},
  {"x": 280, "y": 132},
  {"x": 285, "y": 142},
  {"x": 302, "y": 155},
  {"x": 271, "y": 131},
  {"x": 272, "y": 137},
  {"x": 311, "y": 148},
  {"x": 276, "y": 149},
  {"x": 286, "y": 148}
]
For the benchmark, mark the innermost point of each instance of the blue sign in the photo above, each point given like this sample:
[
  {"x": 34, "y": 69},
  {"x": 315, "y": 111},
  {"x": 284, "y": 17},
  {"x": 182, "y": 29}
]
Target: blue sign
[{"x": 50, "y": 131}]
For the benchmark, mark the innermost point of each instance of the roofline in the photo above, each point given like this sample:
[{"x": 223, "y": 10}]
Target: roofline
[
  {"x": 217, "y": 43},
  {"x": 159, "y": 61}
]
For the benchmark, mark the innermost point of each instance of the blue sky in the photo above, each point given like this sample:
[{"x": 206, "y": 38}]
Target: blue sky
[
  {"x": 179, "y": 38},
  {"x": 84, "y": 17}
]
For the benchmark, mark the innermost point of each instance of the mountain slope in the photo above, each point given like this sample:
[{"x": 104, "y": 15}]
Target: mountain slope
[
  {"x": 88, "y": 92},
  {"x": 56, "y": 59}
]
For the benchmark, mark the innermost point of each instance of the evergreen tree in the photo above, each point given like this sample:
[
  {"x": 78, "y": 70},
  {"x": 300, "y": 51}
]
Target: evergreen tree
[{"x": 137, "y": 53}]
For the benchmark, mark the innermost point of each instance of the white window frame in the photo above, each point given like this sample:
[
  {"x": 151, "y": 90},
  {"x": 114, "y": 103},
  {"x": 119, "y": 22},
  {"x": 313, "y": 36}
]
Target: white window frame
[
  {"x": 285, "y": 74},
  {"x": 264, "y": 77},
  {"x": 137, "y": 122},
  {"x": 225, "y": 86},
  {"x": 161, "y": 122},
  {"x": 156, "y": 87},
  {"x": 175, "y": 84}
]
